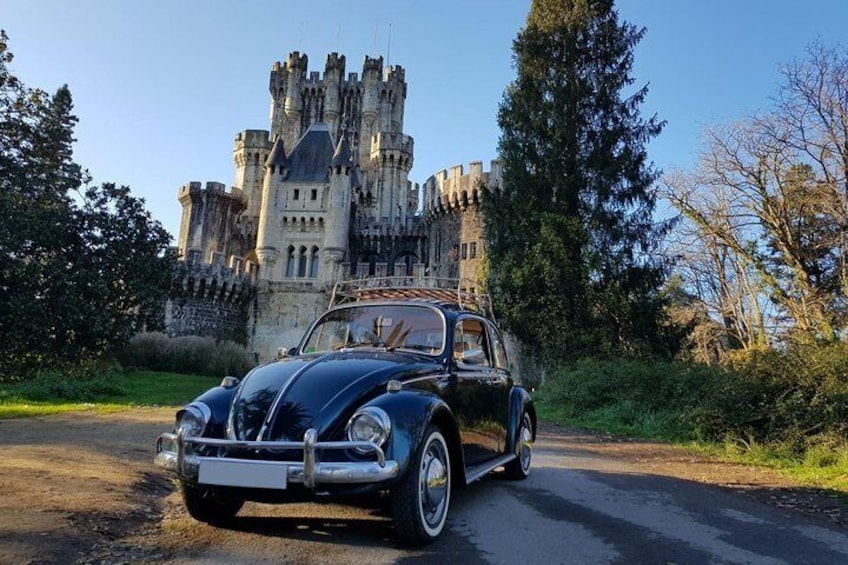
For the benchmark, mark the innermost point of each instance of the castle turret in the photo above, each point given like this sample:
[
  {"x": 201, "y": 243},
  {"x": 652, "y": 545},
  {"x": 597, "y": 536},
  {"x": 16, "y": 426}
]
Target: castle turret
[
  {"x": 372, "y": 71},
  {"x": 391, "y": 158},
  {"x": 340, "y": 177},
  {"x": 397, "y": 87},
  {"x": 276, "y": 170},
  {"x": 296, "y": 73},
  {"x": 208, "y": 222},
  {"x": 250, "y": 152},
  {"x": 333, "y": 75}
]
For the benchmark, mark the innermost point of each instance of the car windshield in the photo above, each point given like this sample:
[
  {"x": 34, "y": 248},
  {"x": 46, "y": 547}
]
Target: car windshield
[{"x": 411, "y": 327}]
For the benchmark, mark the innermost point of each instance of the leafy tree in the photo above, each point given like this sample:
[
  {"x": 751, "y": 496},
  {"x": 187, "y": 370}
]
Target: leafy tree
[
  {"x": 81, "y": 267},
  {"x": 571, "y": 237},
  {"x": 770, "y": 193}
]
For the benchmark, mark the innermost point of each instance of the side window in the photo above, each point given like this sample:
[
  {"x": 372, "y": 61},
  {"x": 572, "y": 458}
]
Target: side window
[
  {"x": 501, "y": 361},
  {"x": 470, "y": 345}
]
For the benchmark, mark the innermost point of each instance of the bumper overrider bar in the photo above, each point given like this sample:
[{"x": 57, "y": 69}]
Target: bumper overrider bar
[{"x": 171, "y": 454}]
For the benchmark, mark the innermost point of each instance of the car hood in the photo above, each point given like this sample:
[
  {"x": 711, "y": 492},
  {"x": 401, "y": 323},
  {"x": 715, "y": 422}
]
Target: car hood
[{"x": 317, "y": 391}]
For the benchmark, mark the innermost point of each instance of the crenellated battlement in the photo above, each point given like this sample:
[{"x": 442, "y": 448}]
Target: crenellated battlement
[
  {"x": 334, "y": 71},
  {"x": 396, "y": 73},
  {"x": 392, "y": 141},
  {"x": 456, "y": 189},
  {"x": 371, "y": 65},
  {"x": 214, "y": 281},
  {"x": 335, "y": 62},
  {"x": 254, "y": 138},
  {"x": 193, "y": 191}
]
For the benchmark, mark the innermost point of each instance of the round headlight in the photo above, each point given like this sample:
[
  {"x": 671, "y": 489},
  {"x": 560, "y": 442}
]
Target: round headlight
[
  {"x": 192, "y": 421},
  {"x": 369, "y": 424}
]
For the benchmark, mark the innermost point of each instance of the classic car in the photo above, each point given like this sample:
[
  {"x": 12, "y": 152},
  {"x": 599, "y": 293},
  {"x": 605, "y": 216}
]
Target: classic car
[{"x": 397, "y": 388}]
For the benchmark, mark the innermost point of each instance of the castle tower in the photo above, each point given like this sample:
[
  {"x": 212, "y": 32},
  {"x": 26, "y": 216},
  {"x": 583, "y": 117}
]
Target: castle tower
[
  {"x": 372, "y": 70},
  {"x": 396, "y": 82},
  {"x": 286, "y": 82},
  {"x": 341, "y": 179},
  {"x": 251, "y": 150},
  {"x": 268, "y": 236},
  {"x": 333, "y": 75},
  {"x": 207, "y": 227},
  {"x": 391, "y": 159}
]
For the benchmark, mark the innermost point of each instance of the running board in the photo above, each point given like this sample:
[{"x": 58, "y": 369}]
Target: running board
[{"x": 474, "y": 473}]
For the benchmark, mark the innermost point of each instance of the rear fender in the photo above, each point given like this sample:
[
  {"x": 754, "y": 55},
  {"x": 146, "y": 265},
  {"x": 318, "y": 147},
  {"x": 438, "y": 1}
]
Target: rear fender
[{"x": 519, "y": 403}]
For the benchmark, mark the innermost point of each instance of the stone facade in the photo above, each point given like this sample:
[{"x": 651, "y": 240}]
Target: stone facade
[{"x": 322, "y": 196}]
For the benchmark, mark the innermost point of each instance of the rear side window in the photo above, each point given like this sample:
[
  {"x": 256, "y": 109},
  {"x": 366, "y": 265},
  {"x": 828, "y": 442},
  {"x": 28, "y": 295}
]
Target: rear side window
[
  {"x": 501, "y": 360},
  {"x": 470, "y": 344}
]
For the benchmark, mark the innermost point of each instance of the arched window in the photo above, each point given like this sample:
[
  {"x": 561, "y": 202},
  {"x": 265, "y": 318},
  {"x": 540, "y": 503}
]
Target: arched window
[
  {"x": 301, "y": 263},
  {"x": 313, "y": 265},
  {"x": 290, "y": 261}
]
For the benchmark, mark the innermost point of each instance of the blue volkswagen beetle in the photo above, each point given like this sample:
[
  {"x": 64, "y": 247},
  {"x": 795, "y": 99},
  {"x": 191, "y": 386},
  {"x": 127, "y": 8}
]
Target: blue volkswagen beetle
[{"x": 395, "y": 388}]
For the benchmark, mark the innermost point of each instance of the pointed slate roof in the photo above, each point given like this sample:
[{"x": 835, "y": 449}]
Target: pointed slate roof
[
  {"x": 278, "y": 154},
  {"x": 341, "y": 158},
  {"x": 310, "y": 159}
]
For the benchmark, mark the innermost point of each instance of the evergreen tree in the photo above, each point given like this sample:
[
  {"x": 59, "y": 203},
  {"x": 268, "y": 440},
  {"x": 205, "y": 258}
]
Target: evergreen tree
[
  {"x": 571, "y": 234},
  {"x": 78, "y": 275}
]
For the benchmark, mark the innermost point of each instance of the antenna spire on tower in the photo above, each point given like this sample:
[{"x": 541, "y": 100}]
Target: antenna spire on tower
[{"x": 389, "y": 49}]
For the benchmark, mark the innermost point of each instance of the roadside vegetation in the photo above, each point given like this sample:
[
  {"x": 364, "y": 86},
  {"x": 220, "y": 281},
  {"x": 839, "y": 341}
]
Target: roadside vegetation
[
  {"x": 103, "y": 390},
  {"x": 782, "y": 409},
  {"x": 723, "y": 327}
]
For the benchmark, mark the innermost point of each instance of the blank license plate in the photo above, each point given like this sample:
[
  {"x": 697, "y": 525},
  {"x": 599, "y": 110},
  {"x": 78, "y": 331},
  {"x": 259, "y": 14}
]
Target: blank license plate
[{"x": 247, "y": 474}]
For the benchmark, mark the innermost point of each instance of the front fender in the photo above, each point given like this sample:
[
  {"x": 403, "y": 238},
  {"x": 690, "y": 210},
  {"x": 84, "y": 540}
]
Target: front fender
[
  {"x": 411, "y": 412},
  {"x": 218, "y": 399}
]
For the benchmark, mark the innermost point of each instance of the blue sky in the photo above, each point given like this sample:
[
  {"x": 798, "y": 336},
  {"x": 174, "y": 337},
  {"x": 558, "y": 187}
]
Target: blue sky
[{"x": 161, "y": 87}]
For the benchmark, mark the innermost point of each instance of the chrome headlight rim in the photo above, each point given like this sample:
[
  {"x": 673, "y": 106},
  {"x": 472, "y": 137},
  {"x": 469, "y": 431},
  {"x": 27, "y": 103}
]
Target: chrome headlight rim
[
  {"x": 193, "y": 420},
  {"x": 375, "y": 415}
]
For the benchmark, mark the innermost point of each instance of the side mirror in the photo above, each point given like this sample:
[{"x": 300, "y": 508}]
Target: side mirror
[{"x": 282, "y": 352}]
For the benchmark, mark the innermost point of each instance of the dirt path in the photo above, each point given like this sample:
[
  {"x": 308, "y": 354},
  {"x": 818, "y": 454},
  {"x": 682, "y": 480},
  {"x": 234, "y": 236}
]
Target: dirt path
[{"x": 81, "y": 488}]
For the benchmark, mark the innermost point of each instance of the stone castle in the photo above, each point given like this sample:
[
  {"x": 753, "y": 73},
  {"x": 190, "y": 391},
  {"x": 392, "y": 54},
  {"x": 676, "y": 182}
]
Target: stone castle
[{"x": 323, "y": 196}]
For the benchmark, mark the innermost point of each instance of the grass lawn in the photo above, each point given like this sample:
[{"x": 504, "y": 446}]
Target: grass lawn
[{"x": 110, "y": 392}]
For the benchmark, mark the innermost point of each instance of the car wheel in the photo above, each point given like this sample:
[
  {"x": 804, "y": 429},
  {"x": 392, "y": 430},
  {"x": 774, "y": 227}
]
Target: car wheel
[
  {"x": 204, "y": 506},
  {"x": 519, "y": 468},
  {"x": 421, "y": 499}
]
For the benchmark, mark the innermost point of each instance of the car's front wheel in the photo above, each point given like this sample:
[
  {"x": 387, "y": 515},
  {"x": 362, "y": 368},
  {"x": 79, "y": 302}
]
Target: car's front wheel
[
  {"x": 421, "y": 499},
  {"x": 205, "y": 506}
]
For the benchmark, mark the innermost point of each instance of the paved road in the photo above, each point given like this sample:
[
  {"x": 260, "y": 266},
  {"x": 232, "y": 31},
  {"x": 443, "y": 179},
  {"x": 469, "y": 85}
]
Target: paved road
[{"x": 577, "y": 507}]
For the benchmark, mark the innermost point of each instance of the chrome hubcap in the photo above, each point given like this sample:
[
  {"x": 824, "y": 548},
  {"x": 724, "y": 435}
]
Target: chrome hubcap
[
  {"x": 433, "y": 482},
  {"x": 526, "y": 452}
]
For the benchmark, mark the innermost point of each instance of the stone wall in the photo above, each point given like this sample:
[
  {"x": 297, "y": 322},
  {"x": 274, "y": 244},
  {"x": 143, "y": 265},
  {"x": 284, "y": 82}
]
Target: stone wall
[
  {"x": 280, "y": 314},
  {"x": 209, "y": 300}
]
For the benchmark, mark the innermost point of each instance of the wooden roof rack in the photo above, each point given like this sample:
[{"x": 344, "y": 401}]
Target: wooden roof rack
[{"x": 459, "y": 292}]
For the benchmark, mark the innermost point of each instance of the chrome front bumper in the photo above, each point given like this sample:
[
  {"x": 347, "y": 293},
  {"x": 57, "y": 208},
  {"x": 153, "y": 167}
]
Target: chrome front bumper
[{"x": 171, "y": 455}]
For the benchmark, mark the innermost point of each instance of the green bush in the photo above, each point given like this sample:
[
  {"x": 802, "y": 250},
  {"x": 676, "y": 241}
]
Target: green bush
[
  {"x": 793, "y": 397},
  {"x": 188, "y": 354},
  {"x": 54, "y": 385}
]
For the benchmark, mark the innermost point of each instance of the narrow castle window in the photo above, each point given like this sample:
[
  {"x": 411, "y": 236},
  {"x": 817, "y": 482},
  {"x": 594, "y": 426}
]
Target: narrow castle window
[
  {"x": 464, "y": 254},
  {"x": 314, "y": 194},
  {"x": 256, "y": 158},
  {"x": 290, "y": 262},
  {"x": 301, "y": 263},
  {"x": 313, "y": 265},
  {"x": 473, "y": 250},
  {"x": 296, "y": 194}
]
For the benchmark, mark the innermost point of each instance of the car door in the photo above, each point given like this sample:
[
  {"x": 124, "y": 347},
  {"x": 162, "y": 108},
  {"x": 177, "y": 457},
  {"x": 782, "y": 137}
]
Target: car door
[{"x": 476, "y": 398}]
